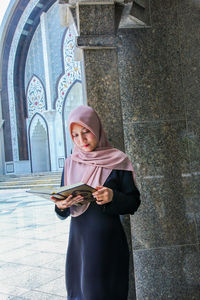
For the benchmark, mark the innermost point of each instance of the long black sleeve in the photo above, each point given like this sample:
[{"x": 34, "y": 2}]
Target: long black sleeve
[
  {"x": 126, "y": 197},
  {"x": 62, "y": 214}
]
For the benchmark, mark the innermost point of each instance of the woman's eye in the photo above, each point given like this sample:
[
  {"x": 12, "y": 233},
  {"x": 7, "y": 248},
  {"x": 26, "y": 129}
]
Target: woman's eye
[{"x": 85, "y": 131}]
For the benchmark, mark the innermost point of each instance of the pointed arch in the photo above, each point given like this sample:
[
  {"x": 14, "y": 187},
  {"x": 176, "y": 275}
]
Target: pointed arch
[{"x": 39, "y": 144}]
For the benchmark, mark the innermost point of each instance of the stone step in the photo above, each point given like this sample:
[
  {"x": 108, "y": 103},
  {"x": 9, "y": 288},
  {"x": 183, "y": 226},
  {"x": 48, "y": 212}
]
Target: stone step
[{"x": 30, "y": 180}]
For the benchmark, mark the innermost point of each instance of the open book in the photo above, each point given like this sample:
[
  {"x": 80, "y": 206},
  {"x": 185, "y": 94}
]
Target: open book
[{"x": 64, "y": 191}]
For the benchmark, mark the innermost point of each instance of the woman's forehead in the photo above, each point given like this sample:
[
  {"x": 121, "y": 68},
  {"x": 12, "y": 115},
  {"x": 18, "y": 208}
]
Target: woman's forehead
[
  {"x": 75, "y": 126},
  {"x": 78, "y": 127}
]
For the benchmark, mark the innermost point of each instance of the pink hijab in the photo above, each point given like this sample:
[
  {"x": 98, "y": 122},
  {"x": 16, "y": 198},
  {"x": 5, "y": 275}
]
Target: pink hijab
[{"x": 92, "y": 168}]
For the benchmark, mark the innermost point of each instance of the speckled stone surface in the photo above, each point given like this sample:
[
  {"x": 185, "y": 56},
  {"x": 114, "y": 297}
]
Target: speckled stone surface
[
  {"x": 191, "y": 189},
  {"x": 102, "y": 84},
  {"x": 163, "y": 218},
  {"x": 103, "y": 91},
  {"x": 96, "y": 19},
  {"x": 103, "y": 95},
  {"x": 158, "y": 148},
  {"x": 194, "y": 143},
  {"x": 168, "y": 273},
  {"x": 97, "y": 41},
  {"x": 188, "y": 17},
  {"x": 159, "y": 88},
  {"x": 150, "y": 80},
  {"x": 151, "y": 87}
]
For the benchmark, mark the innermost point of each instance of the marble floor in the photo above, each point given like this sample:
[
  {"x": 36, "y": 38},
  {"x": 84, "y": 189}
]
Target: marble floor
[{"x": 33, "y": 244}]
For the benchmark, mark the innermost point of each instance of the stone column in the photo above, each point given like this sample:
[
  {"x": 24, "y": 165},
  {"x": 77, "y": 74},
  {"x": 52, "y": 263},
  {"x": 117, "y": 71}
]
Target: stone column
[
  {"x": 158, "y": 74},
  {"x": 47, "y": 62},
  {"x": 96, "y": 26},
  {"x": 50, "y": 116},
  {"x": 97, "y": 39},
  {"x": 159, "y": 70}
]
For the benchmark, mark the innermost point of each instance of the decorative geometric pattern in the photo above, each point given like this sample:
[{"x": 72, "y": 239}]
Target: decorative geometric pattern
[
  {"x": 35, "y": 97},
  {"x": 72, "y": 69}
]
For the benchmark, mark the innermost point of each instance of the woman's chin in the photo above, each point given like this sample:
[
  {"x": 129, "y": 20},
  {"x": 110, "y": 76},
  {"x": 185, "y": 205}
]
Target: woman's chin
[{"x": 88, "y": 149}]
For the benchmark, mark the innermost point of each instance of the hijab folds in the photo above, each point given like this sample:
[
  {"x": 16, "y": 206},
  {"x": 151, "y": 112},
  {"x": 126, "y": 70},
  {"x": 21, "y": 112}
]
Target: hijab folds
[{"x": 92, "y": 168}]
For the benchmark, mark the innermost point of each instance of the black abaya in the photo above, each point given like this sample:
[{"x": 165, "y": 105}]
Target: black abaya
[{"x": 97, "y": 264}]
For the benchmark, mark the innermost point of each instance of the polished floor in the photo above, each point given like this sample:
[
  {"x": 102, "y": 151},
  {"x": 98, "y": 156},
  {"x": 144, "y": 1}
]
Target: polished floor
[{"x": 33, "y": 244}]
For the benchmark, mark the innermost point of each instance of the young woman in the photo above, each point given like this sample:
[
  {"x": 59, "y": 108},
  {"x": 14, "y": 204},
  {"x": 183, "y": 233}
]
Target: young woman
[{"x": 97, "y": 265}]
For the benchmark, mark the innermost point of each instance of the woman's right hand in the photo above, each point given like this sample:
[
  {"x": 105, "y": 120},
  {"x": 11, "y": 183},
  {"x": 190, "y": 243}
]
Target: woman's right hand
[{"x": 69, "y": 201}]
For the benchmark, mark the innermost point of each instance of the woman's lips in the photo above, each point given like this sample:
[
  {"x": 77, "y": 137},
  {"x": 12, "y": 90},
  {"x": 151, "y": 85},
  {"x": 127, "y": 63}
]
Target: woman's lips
[{"x": 85, "y": 146}]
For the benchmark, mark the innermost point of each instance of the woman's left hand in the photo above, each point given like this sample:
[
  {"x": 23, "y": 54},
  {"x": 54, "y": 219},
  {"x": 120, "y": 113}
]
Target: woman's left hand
[{"x": 103, "y": 195}]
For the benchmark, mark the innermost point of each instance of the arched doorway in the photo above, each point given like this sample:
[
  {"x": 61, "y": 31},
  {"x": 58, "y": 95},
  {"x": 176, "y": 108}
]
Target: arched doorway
[{"x": 39, "y": 145}]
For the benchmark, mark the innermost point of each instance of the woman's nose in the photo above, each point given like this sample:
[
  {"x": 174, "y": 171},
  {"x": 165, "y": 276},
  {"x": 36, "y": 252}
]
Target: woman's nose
[{"x": 82, "y": 138}]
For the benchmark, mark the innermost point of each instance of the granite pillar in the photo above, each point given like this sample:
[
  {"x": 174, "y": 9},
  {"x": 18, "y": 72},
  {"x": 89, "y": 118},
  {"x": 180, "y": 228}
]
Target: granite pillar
[
  {"x": 97, "y": 27},
  {"x": 144, "y": 83},
  {"x": 159, "y": 74},
  {"x": 96, "y": 38}
]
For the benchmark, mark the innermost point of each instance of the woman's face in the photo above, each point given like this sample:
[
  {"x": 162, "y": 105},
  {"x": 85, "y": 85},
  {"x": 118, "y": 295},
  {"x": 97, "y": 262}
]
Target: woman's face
[{"x": 83, "y": 138}]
